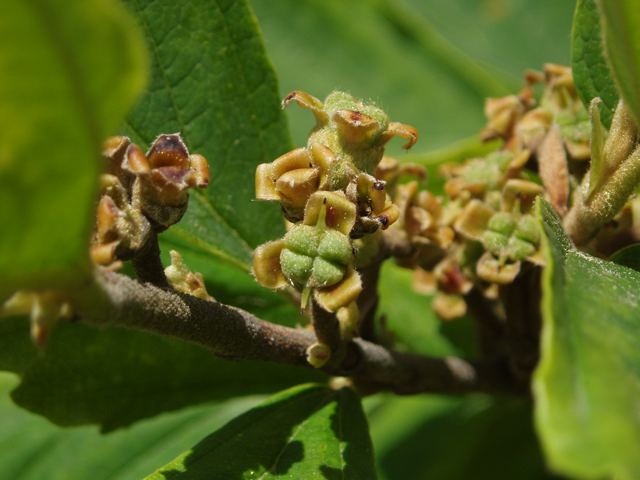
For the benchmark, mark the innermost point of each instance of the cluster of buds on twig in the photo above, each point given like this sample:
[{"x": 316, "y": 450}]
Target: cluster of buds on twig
[
  {"x": 483, "y": 233},
  {"x": 142, "y": 194},
  {"x": 329, "y": 191}
]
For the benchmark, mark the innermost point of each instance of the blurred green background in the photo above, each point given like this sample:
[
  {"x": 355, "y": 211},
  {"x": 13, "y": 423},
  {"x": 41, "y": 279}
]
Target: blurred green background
[{"x": 429, "y": 63}]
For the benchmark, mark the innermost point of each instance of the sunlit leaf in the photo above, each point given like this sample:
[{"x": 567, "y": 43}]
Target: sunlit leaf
[
  {"x": 587, "y": 384},
  {"x": 591, "y": 72},
  {"x": 304, "y": 432},
  {"x": 622, "y": 44}
]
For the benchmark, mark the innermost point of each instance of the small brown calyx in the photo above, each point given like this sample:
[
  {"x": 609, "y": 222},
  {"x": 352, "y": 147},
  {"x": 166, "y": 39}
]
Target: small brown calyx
[
  {"x": 162, "y": 177},
  {"x": 142, "y": 193}
]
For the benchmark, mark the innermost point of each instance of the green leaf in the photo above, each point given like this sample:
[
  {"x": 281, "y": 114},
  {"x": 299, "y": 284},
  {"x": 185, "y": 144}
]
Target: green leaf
[
  {"x": 212, "y": 82},
  {"x": 587, "y": 384},
  {"x": 114, "y": 377},
  {"x": 442, "y": 437},
  {"x": 628, "y": 257},
  {"x": 622, "y": 43},
  {"x": 71, "y": 70},
  {"x": 307, "y": 431},
  {"x": 591, "y": 72},
  {"x": 34, "y": 449}
]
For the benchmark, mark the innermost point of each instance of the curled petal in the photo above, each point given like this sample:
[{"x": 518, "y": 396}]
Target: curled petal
[
  {"x": 522, "y": 191},
  {"x": 492, "y": 270},
  {"x": 266, "y": 265},
  {"x": 202, "y": 176},
  {"x": 389, "y": 215},
  {"x": 474, "y": 219},
  {"x": 298, "y": 158},
  {"x": 298, "y": 185},
  {"x": 307, "y": 101},
  {"x": 266, "y": 183},
  {"x": 405, "y": 131},
  {"x": 135, "y": 160},
  {"x": 341, "y": 294},
  {"x": 449, "y": 306},
  {"x": 341, "y": 213}
]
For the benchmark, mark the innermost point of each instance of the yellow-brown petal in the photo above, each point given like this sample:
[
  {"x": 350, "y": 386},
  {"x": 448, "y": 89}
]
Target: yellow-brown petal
[
  {"x": 341, "y": 213},
  {"x": 201, "y": 166},
  {"x": 298, "y": 185},
  {"x": 266, "y": 265},
  {"x": 341, "y": 294},
  {"x": 398, "y": 129},
  {"x": 266, "y": 183},
  {"x": 355, "y": 127},
  {"x": 490, "y": 269},
  {"x": 474, "y": 219}
]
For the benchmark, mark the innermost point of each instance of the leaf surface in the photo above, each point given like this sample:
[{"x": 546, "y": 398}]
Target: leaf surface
[
  {"x": 443, "y": 437},
  {"x": 587, "y": 384},
  {"x": 622, "y": 40},
  {"x": 114, "y": 377},
  {"x": 307, "y": 431},
  {"x": 34, "y": 449},
  {"x": 212, "y": 82},
  {"x": 591, "y": 73},
  {"x": 71, "y": 70}
]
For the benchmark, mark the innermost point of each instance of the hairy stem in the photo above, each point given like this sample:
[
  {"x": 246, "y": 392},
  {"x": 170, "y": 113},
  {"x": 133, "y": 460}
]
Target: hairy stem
[
  {"x": 147, "y": 264},
  {"x": 231, "y": 333}
]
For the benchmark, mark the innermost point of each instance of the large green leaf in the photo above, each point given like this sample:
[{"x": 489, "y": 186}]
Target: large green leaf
[
  {"x": 622, "y": 40},
  {"x": 591, "y": 72},
  {"x": 587, "y": 384},
  {"x": 34, "y": 449},
  {"x": 307, "y": 431},
  {"x": 70, "y": 72},
  {"x": 212, "y": 82},
  {"x": 114, "y": 377},
  {"x": 438, "y": 437}
]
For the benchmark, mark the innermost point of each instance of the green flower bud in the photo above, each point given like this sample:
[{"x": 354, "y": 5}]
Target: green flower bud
[
  {"x": 503, "y": 223},
  {"x": 520, "y": 249},
  {"x": 528, "y": 230},
  {"x": 295, "y": 266},
  {"x": 495, "y": 242}
]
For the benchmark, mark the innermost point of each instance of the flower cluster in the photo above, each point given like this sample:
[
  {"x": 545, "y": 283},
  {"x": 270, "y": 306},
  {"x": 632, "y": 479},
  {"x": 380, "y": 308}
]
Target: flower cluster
[
  {"x": 483, "y": 233},
  {"x": 329, "y": 191},
  {"x": 142, "y": 194}
]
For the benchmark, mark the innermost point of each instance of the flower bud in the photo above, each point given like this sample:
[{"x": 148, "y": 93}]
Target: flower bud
[
  {"x": 183, "y": 280},
  {"x": 351, "y": 129},
  {"x": 162, "y": 177},
  {"x": 318, "y": 354}
]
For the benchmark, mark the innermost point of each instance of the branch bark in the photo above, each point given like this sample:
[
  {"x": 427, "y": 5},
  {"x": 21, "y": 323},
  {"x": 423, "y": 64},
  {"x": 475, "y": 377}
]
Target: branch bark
[{"x": 114, "y": 299}]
